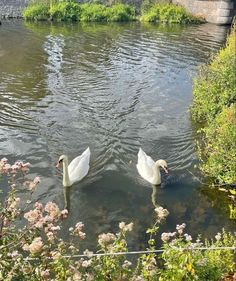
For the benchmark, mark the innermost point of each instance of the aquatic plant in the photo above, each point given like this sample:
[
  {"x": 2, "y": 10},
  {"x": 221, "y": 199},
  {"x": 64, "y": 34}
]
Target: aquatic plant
[
  {"x": 161, "y": 12},
  {"x": 214, "y": 109},
  {"x": 36, "y": 251}
]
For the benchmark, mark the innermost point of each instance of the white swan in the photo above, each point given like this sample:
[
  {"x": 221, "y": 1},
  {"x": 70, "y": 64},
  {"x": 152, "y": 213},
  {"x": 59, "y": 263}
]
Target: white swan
[
  {"x": 150, "y": 170},
  {"x": 76, "y": 170}
]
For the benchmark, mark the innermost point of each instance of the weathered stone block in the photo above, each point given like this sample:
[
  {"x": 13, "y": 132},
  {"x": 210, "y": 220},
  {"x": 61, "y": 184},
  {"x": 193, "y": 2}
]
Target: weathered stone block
[
  {"x": 224, "y": 20},
  {"x": 223, "y": 12},
  {"x": 225, "y": 5}
]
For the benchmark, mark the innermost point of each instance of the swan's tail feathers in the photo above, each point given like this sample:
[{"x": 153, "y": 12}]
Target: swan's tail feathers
[
  {"x": 141, "y": 154},
  {"x": 86, "y": 152}
]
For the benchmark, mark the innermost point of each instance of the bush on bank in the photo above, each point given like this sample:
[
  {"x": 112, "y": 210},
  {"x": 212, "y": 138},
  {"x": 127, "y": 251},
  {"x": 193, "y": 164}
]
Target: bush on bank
[
  {"x": 167, "y": 13},
  {"x": 72, "y": 11},
  {"x": 36, "y": 252},
  {"x": 214, "y": 97}
]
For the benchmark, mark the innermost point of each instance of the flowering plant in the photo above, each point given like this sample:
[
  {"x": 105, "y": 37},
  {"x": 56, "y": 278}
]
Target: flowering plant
[{"x": 35, "y": 251}]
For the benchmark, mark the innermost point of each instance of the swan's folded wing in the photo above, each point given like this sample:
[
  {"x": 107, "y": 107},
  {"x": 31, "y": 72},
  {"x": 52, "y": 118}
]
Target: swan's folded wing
[
  {"x": 145, "y": 165},
  {"x": 75, "y": 162},
  {"x": 80, "y": 167}
]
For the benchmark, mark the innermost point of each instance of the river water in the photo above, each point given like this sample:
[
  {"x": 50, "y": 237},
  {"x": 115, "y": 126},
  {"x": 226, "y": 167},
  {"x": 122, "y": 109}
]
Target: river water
[{"x": 114, "y": 88}]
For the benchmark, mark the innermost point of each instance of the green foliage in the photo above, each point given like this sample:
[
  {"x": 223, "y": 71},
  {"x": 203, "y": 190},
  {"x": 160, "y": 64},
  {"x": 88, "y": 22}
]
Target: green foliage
[
  {"x": 193, "y": 264},
  {"x": 214, "y": 88},
  {"x": 93, "y": 12},
  {"x": 219, "y": 149},
  {"x": 214, "y": 108},
  {"x": 121, "y": 12},
  {"x": 63, "y": 11},
  {"x": 36, "y": 12},
  {"x": 96, "y": 11},
  {"x": 170, "y": 13},
  {"x": 72, "y": 11}
]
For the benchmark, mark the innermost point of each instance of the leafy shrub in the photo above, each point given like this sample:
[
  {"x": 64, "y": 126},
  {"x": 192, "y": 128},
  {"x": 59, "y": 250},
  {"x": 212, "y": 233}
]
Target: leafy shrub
[
  {"x": 36, "y": 12},
  {"x": 121, "y": 12},
  {"x": 214, "y": 88},
  {"x": 72, "y": 11},
  {"x": 64, "y": 11},
  {"x": 192, "y": 264},
  {"x": 214, "y": 109},
  {"x": 219, "y": 149},
  {"x": 167, "y": 13},
  {"x": 93, "y": 12}
]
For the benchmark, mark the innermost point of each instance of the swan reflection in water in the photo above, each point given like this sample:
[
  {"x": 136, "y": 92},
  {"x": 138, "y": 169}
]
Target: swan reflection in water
[{"x": 67, "y": 198}]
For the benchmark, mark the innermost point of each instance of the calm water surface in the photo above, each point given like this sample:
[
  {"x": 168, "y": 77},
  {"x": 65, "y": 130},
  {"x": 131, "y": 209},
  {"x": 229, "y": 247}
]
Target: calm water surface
[{"x": 114, "y": 88}]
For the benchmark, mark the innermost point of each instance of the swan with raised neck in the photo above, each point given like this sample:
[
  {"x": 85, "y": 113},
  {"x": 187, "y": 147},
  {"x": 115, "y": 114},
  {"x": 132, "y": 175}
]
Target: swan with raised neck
[{"x": 150, "y": 170}]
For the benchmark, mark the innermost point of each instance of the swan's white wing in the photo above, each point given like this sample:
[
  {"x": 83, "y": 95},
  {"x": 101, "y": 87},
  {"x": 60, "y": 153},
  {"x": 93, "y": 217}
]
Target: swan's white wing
[
  {"x": 145, "y": 165},
  {"x": 79, "y": 167}
]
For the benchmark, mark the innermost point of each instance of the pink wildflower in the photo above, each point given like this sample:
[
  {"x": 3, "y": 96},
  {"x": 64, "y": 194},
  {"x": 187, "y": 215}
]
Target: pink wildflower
[
  {"x": 33, "y": 216},
  {"x": 36, "y": 246},
  {"x": 64, "y": 213},
  {"x": 161, "y": 213},
  {"x": 53, "y": 210},
  {"x": 106, "y": 238},
  {"x": 45, "y": 274},
  {"x": 126, "y": 227}
]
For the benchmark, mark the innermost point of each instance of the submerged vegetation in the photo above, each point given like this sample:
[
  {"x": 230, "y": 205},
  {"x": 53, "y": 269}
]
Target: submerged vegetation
[
  {"x": 214, "y": 108},
  {"x": 66, "y": 10},
  {"x": 35, "y": 251}
]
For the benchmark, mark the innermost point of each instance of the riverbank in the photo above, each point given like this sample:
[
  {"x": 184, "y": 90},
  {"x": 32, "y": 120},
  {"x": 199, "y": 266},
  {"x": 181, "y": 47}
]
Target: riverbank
[
  {"x": 219, "y": 12},
  {"x": 214, "y": 108},
  {"x": 91, "y": 12}
]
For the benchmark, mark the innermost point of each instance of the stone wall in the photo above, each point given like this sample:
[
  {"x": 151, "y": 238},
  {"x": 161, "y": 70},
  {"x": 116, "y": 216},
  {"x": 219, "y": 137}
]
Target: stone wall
[
  {"x": 12, "y": 8},
  {"x": 219, "y": 12}
]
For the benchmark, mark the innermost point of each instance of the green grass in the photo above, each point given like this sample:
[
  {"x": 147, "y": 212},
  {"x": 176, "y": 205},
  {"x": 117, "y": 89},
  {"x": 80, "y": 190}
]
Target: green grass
[
  {"x": 214, "y": 109},
  {"x": 64, "y": 11},
  {"x": 72, "y": 11},
  {"x": 93, "y": 12},
  {"x": 167, "y": 13},
  {"x": 36, "y": 12}
]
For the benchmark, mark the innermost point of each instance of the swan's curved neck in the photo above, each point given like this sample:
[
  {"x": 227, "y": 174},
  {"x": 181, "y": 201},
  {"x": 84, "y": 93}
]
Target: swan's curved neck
[
  {"x": 66, "y": 179},
  {"x": 156, "y": 173},
  {"x": 157, "y": 164}
]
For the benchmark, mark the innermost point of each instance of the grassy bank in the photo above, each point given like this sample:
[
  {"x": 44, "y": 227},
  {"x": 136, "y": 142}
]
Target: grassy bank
[
  {"x": 214, "y": 97},
  {"x": 72, "y": 11},
  {"x": 167, "y": 13},
  {"x": 93, "y": 12}
]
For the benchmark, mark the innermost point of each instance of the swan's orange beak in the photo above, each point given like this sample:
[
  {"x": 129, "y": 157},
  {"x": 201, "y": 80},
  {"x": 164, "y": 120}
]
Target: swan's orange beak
[{"x": 57, "y": 164}]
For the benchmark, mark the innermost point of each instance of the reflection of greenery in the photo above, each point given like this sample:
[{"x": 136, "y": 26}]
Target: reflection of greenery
[
  {"x": 165, "y": 28},
  {"x": 218, "y": 198},
  {"x": 214, "y": 107},
  {"x": 70, "y": 29}
]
